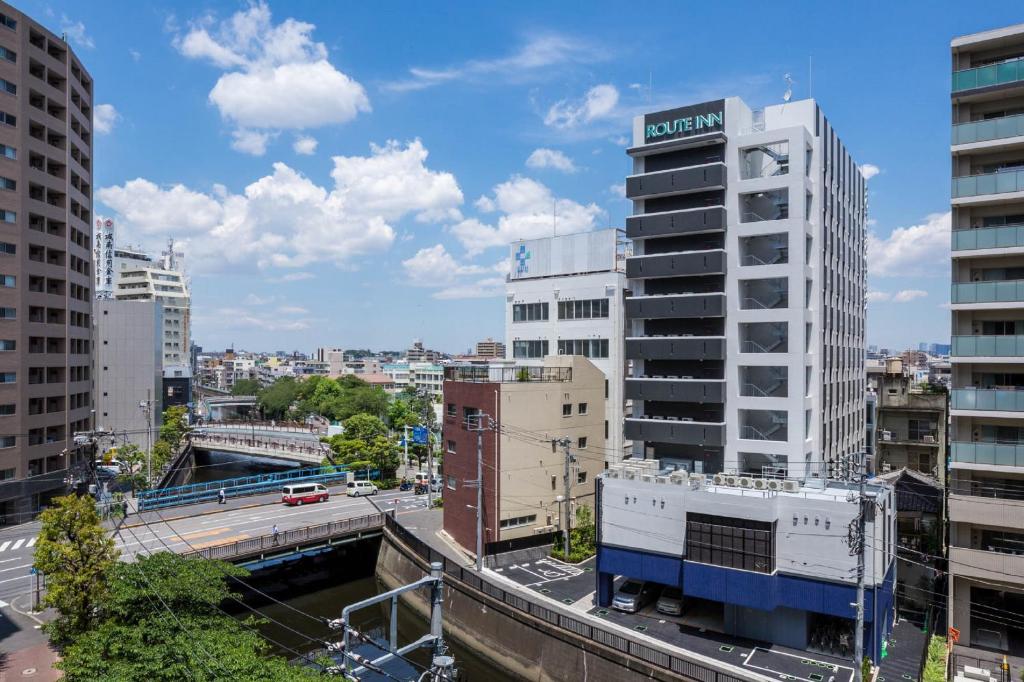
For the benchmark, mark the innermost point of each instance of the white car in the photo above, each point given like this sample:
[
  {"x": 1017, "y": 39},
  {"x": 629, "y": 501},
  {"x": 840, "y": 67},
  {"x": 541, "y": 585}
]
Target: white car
[{"x": 360, "y": 488}]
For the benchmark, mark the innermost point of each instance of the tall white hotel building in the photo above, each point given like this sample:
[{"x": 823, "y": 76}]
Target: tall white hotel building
[{"x": 745, "y": 317}]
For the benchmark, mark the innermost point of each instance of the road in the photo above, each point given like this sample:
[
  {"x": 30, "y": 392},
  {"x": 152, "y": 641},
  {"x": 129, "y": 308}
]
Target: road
[{"x": 197, "y": 526}]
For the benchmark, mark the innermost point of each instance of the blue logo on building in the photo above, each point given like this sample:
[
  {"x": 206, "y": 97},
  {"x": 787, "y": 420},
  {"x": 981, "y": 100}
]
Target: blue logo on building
[{"x": 522, "y": 256}]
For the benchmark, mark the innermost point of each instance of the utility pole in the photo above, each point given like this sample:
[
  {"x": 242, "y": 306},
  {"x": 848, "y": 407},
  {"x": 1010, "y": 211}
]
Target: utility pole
[
  {"x": 567, "y": 484},
  {"x": 427, "y": 400},
  {"x": 857, "y": 545},
  {"x": 147, "y": 409},
  {"x": 479, "y": 427}
]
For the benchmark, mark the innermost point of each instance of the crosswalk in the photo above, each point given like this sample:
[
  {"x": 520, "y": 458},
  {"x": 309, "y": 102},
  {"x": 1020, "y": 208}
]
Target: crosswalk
[{"x": 14, "y": 545}]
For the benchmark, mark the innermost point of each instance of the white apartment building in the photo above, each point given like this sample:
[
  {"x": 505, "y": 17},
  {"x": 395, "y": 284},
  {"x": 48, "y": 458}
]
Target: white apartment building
[
  {"x": 154, "y": 282},
  {"x": 564, "y": 296},
  {"x": 746, "y": 309},
  {"x": 427, "y": 376}
]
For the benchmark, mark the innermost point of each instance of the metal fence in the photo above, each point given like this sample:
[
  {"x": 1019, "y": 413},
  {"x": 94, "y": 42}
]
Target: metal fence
[
  {"x": 269, "y": 543},
  {"x": 587, "y": 630}
]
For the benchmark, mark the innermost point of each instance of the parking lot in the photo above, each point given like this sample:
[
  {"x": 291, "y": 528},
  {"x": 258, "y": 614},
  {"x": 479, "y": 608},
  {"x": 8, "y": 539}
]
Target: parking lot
[{"x": 567, "y": 583}]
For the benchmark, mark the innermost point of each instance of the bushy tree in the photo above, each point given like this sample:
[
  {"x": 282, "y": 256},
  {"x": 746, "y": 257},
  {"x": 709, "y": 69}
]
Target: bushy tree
[
  {"x": 276, "y": 400},
  {"x": 134, "y": 461},
  {"x": 74, "y": 552},
  {"x": 365, "y": 442},
  {"x": 174, "y": 427},
  {"x": 162, "y": 454},
  {"x": 246, "y": 387}
]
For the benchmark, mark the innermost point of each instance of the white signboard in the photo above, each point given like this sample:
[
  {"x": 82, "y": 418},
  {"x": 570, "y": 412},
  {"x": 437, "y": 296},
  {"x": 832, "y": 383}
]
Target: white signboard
[{"x": 565, "y": 255}]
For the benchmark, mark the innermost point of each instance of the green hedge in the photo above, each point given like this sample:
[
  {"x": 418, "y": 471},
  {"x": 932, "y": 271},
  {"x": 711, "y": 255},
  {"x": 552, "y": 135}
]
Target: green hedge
[{"x": 935, "y": 663}]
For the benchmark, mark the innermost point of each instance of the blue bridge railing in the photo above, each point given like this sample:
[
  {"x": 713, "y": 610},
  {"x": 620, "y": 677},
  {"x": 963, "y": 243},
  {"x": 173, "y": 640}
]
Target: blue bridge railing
[{"x": 246, "y": 485}]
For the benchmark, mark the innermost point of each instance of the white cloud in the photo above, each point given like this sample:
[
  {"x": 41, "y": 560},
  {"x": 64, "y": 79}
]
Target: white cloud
[
  {"x": 250, "y": 141},
  {"x": 278, "y": 77},
  {"x": 284, "y": 220},
  {"x": 136, "y": 55},
  {"x": 908, "y": 295},
  {"x": 618, "y": 190},
  {"x": 304, "y": 144},
  {"x": 104, "y": 118},
  {"x": 918, "y": 250},
  {"x": 869, "y": 170},
  {"x": 434, "y": 267},
  {"x": 531, "y": 61},
  {"x": 550, "y": 158},
  {"x": 483, "y": 288},
  {"x": 599, "y": 102},
  {"x": 75, "y": 31},
  {"x": 295, "y": 277},
  {"x": 527, "y": 207},
  {"x": 878, "y": 296}
]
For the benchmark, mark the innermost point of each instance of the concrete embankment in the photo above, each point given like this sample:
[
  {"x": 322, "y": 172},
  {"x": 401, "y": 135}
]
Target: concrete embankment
[{"x": 510, "y": 639}]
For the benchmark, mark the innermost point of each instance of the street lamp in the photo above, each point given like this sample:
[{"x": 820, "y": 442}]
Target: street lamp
[{"x": 561, "y": 521}]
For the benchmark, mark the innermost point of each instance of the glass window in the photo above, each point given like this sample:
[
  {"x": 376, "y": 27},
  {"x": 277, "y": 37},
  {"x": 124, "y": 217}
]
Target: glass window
[
  {"x": 8, "y": 216},
  {"x": 6, "y": 441},
  {"x": 581, "y": 442},
  {"x": 589, "y": 348},
  {"x": 8, "y": 183},
  {"x": 8, "y": 119},
  {"x": 450, "y": 410},
  {"x": 8, "y": 377},
  {"x": 451, "y": 483},
  {"x": 582, "y": 408},
  {"x": 9, "y": 152},
  {"x": 451, "y": 447},
  {"x": 583, "y": 310},
  {"x": 9, "y": 55},
  {"x": 567, "y": 409},
  {"x": 529, "y": 349},
  {"x": 8, "y": 313},
  {"x": 529, "y": 312},
  {"x": 6, "y": 409},
  {"x": 8, "y": 22},
  {"x": 7, "y": 281},
  {"x": 8, "y": 87},
  {"x": 730, "y": 542}
]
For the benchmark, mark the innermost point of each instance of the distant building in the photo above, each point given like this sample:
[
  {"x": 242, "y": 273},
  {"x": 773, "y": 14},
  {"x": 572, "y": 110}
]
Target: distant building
[
  {"x": 427, "y": 376},
  {"x": 526, "y": 408},
  {"x": 382, "y": 381},
  {"x": 490, "y": 348},
  {"x": 911, "y": 424},
  {"x": 417, "y": 353}
]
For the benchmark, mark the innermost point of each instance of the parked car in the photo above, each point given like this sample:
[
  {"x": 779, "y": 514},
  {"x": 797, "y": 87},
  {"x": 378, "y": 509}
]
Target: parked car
[
  {"x": 301, "y": 493},
  {"x": 633, "y": 595},
  {"x": 360, "y": 488},
  {"x": 671, "y": 601}
]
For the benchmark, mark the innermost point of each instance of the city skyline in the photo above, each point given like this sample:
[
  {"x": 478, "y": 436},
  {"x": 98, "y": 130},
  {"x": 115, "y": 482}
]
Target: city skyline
[{"x": 365, "y": 199}]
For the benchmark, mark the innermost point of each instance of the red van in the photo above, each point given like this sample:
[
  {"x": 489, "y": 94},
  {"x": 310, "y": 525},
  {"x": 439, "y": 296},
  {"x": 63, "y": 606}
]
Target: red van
[{"x": 301, "y": 493}]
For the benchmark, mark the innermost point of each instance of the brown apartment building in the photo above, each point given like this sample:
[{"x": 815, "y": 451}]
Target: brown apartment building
[
  {"x": 524, "y": 409},
  {"x": 45, "y": 262}
]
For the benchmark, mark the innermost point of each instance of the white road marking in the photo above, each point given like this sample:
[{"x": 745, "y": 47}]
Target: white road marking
[
  {"x": 17, "y": 544},
  {"x": 4, "y": 546},
  {"x": 3, "y": 603},
  {"x": 31, "y": 542},
  {"x": 15, "y": 568}
]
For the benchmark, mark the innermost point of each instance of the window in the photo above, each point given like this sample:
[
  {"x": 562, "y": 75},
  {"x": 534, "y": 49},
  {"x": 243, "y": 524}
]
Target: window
[
  {"x": 730, "y": 542},
  {"x": 449, "y": 409},
  {"x": 583, "y": 310},
  {"x": 8, "y": 184},
  {"x": 529, "y": 349},
  {"x": 764, "y": 161},
  {"x": 588, "y": 348},
  {"x": 764, "y": 249},
  {"x": 6, "y": 474},
  {"x": 8, "y": 377},
  {"x": 566, "y": 409},
  {"x": 8, "y": 22},
  {"x": 6, "y": 410},
  {"x": 6, "y": 344},
  {"x": 764, "y": 294},
  {"x": 9, "y": 87},
  {"x": 581, "y": 442},
  {"x": 8, "y": 119},
  {"x": 761, "y": 206},
  {"x": 9, "y": 152},
  {"x": 470, "y": 416},
  {"x": 7, "y": 281},
  {"x": 581, "y": 408},
  {"x": 581, "y": 477},
  {"x": 8, "y": 249},
  {"x": 450, "y": 446},
  {"x": 8, "y": 313},
  {"x": 518, "y": 521},
  {"x": 529, "y": 312},
  {"x": 9, "y": 55},
  {"x": 451, "y": 483},
  {"x": 6, "y": 441},
  {"x": 8, "y": 216}
]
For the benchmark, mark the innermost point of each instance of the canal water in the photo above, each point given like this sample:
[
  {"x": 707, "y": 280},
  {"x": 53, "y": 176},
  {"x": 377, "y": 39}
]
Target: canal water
[
  {"x": 216, "y": 465},
  {"x": 314, "y": 589}
]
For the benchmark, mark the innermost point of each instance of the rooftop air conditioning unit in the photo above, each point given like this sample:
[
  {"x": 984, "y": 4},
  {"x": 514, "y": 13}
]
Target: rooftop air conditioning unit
[
  {"x": 696, "y": 477},
  {"x": 885, "y": 435},
  {"x": 774, "y": 484},
  {"x": 730, "y": 481},
  {"x": 745, "y": 482},
  {"x": 928, "y": 439},
  {"x": 791, "y": 486},
  {"x": 686, "y": 419},
  {"x": 543, "y": 529},
  {"x": 760, "y": 484},
  {"x": 661, "y": 479},
  {"x": 647, "y": 478},
  {"x": 612, "y": 473},
  {"x": 629, "y": 474},
  {"x": 718, "y": 479}
]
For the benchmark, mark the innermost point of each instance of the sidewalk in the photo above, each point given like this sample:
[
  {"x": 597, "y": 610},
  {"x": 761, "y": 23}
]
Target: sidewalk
[{"x": 26, "y": 649}]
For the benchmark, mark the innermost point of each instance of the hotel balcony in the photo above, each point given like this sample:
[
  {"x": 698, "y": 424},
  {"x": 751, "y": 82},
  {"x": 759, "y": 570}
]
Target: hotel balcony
[
  {"x": 987, "y": 400},
  {"x": 675, "y": 348},
  {"x": 1006, "y": 237},
  {"x": 981, "y": 564},
  {"x": 1006, "y": 291},
  {"x": 678, "y": 264},
  {"x": 988, "y": 76},
  {"x": 988, "y": 133},
  {"x": 675, "y": 306},
  {"x": 980, "y": 346},
  {"x": 675, "y": 389},
  {"x": 986, "y": 456},
  {"x": 667, "y": 430},
  {"x": 686, "y": 221},
  {"x": 999, "y": 183},
  {"x": 678, "y": 181}
]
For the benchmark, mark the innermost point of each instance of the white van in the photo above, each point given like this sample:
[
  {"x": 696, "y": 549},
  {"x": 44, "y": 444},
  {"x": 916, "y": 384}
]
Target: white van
[
  {"x": 360, "y": 488},
  {"x": 301, "y": 493},
  {"x": 422, "y": 478}
]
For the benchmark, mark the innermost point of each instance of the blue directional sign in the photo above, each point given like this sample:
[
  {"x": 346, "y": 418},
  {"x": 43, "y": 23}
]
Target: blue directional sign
[{"x": 419, "y": 434}]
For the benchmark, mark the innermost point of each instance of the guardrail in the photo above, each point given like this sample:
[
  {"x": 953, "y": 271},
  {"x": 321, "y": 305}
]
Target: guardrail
[
  {"x": 655, "y": 657},
  {"x": 298, "y": 446},
  {"x": 284, "y": 427},
  {"x": 296, "y": 536}
]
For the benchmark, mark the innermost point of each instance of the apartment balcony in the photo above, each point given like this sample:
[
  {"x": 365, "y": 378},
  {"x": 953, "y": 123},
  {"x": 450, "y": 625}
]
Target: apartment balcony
[
  {"x": 1001, "y": 182},
  {"x": 990, "y": 130},
  {"x": 987, "y": 400},
  {"x": 893, "y": 437},
  {"x": 677, "y": 181},
  {"x": 675, "y": 306},
  {"x": 686, "y": 221},
  {"x": 1006, "y": 237},
  {"x": 1006, "y": 291},
  {"x": 680, "y": 264},
  {"x": 663, "y": 430},
  {"x": 675, "y": 348},
  {"x": 980, "y": 346},
  {"x": 675, "y": 389},
  {"x": 986, "y": 511},
  {"x": 981, "y": 564},
  {"x": 979, "y": 455},
  {"x": 988, "y": 76}
]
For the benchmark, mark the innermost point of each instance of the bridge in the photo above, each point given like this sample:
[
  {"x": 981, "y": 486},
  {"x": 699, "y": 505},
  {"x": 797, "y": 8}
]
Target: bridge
[{"x": 289, "y": 443}]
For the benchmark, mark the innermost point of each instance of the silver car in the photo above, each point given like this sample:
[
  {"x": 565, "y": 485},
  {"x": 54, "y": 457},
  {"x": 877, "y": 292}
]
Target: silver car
[
  {"x": 633, "y": 595},
  {"x": 671, "y": 601}
]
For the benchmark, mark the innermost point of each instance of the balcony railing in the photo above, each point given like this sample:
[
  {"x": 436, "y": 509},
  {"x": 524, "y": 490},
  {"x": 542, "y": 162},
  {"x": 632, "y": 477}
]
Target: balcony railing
[
  {"x": 994, "y": 454},
  {"x": 988, "y": 292},
  {"x": 1011, "y": 180},
  {"x": 480, "y": 374},
  {"x": 988, "y": 399},
  {"x": 991, "y": 129},
  {"x": 988, "y": 346},
  {"x": 988, "y": 238},
  {"x": 991, "y": 74}
]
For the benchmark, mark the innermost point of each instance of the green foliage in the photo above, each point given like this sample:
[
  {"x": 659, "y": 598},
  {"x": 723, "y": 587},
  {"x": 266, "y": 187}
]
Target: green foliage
[
  {"x": 865, "y": 669},
  {"x": 935, "y": 663},
  {"x": 438, "y": 502},
  {"x": 365, "y": 443},
  {"x": 276, "y": 400},
  {"x": 74, "y": 552},
  {"x": 134, "y": 461},
  {"x": 364, "y": 427},
  {"x": 582, "y": 539},
  {"x": 160, "y": 621},
  {"x": 162, "y": 454},
  {"x": 342, "y": 398},
  {"x": 174, "y": 428},
  {"x": 523, "y": 374},
  {"x": 246, "y": 387}
]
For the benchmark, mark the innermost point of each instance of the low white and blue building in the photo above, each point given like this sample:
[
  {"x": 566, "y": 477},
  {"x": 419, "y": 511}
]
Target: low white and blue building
[{"x": 761, "y": 558}]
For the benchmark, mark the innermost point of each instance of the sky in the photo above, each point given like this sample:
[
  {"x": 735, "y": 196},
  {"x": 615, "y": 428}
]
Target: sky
[{"x": 349, "y": 174}]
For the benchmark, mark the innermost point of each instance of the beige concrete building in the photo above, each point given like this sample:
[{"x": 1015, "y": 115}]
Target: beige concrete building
[
  {"x": 911, "y": 424},
  {"x": 525, "y": 410}
]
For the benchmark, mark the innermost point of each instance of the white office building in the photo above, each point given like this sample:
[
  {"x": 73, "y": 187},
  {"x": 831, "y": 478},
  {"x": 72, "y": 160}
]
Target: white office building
[
  {"x": 564, "y": 296},
  {"x": 746, "y": 310}
]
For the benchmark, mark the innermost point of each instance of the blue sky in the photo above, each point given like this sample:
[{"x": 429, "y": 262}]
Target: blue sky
[{"x": 345, "y": 174}]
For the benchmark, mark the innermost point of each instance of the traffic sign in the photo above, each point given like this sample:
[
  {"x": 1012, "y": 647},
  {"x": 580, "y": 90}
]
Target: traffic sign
[{"x": 419, "y": 435}]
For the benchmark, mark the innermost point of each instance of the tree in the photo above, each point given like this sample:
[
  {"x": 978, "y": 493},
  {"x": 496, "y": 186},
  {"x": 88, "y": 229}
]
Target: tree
[
  {"x": 161, "y": 455},
  {"x": 246, "y": 387},
  {"x": 74, "y": 552},
  {"x": 161, "y": 621},
  {"x": 276, "y": 400},
  {"x": 133, "y": 460},
  {"x": 365, "y": 440},
  {"x": 174, "y": 427}
]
